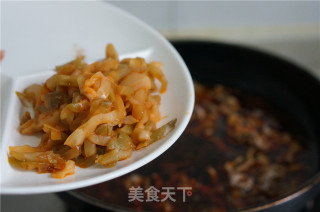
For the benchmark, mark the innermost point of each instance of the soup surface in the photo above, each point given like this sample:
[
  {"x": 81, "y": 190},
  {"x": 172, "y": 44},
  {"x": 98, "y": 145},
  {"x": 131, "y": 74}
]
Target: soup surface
[{"x": 235, "y": 153}]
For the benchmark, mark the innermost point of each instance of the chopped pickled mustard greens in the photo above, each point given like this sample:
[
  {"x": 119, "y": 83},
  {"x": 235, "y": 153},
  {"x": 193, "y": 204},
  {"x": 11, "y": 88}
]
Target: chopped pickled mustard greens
[{"x": 90, "y": 114}]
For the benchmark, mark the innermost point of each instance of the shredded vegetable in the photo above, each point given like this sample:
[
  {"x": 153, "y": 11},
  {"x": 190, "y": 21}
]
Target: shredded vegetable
[{"x": 89, "y": 114}]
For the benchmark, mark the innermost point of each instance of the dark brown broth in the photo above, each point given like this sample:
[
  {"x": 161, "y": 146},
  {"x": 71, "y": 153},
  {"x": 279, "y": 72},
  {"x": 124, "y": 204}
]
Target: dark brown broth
[{"x": 199, "y": 159}]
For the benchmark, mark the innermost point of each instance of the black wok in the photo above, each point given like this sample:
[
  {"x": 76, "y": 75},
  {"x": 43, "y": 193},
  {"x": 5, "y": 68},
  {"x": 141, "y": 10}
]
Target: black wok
[{"x": 286, "y": 85}]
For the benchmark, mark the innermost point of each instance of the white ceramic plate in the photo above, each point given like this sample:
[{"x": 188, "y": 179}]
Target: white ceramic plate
[{"x": 36, "y": 36}]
